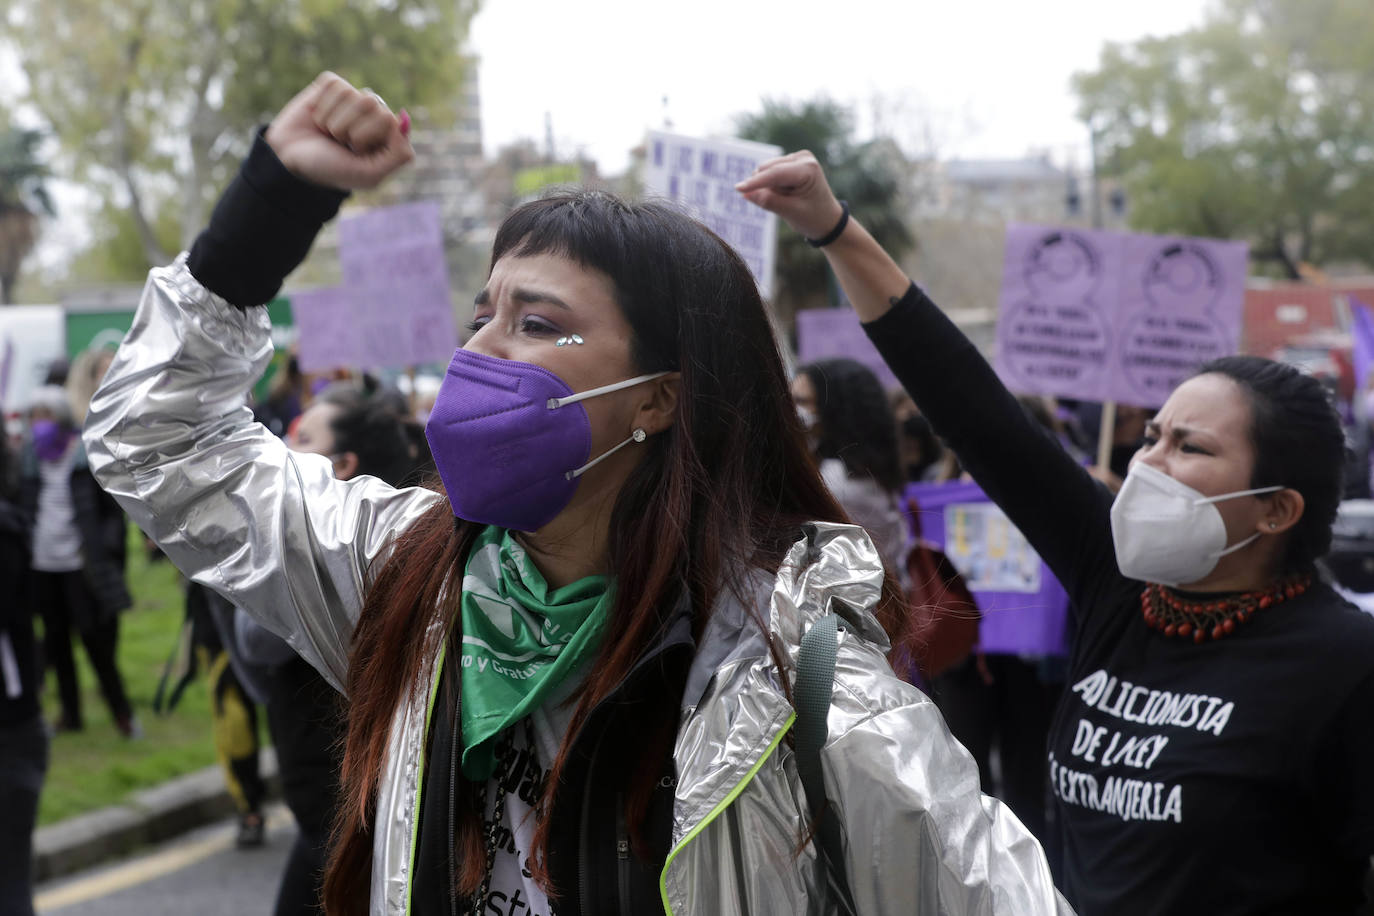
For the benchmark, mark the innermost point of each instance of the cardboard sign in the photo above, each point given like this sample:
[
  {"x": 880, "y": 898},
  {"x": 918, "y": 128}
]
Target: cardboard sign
[
  {"x": 395, "y": 276},
  {"x": 831, "y": 333},
  {"x": 1025, "y": 609},
  {"x": 1112, "y": 316},
  {"x": 701, "y": 176}
]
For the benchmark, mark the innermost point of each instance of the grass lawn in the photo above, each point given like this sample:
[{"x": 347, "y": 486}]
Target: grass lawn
[{"x": 99, "y": 767}]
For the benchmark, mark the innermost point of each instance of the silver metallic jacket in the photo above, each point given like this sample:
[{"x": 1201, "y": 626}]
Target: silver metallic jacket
[{"x": 170, "y": 435}]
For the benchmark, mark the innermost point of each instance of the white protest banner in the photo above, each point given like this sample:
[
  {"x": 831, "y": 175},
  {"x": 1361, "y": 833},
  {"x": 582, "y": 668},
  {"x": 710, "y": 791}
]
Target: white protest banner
[
  {"x": 701, "y": 176},
  {"x": 392, "y": 259},
  {"x": 1114, "y": 316}
]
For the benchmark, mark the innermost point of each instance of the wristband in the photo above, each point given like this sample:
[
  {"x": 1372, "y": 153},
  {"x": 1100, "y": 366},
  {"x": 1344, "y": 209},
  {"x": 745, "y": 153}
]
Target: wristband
[{"x": 833, "y": 233}]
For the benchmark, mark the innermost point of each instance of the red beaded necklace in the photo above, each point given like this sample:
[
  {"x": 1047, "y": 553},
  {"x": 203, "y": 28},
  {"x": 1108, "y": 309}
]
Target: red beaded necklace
[{"x": 1198, "y": 618}]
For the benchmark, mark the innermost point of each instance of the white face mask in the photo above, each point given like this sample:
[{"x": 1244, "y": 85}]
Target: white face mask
[
  {"x": 1164, "y": 531},
  {"x": 807, "y": 417}
]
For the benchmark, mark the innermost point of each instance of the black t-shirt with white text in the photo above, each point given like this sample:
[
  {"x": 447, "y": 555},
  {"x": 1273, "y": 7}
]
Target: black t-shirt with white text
[{"x": 1232, "y": 776}]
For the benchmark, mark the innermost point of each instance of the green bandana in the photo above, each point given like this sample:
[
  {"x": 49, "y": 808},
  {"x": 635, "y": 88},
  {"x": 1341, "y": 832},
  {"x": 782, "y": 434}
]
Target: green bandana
[{"x": 520, "y": 640}]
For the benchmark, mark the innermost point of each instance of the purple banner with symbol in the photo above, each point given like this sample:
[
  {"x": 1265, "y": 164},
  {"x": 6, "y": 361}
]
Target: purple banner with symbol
[
  {"x": 392, "y": 259},
  {"x": 1113, "y": 316},
  {"x": 830, "y": 333},
  {"x": 1025, "y": 609}
]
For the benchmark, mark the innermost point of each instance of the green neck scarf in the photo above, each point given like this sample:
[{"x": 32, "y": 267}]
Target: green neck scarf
[{"x": 520, "y": 640}]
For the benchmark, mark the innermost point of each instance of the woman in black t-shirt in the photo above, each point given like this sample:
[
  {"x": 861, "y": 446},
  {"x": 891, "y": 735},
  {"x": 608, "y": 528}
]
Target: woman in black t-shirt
[{"x": 1213, "y": 751}]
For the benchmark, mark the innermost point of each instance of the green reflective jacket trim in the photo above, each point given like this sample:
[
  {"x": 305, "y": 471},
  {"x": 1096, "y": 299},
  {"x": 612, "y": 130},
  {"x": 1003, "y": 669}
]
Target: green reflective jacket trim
[
  {"x": 420, "y": 775},
  {"x": 715, "y": 812}
]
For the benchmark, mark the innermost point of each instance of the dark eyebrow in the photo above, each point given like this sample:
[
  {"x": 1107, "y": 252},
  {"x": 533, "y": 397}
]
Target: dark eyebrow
[
  {"x": 534, "y": 295},
  {"x": 526, "y": 296},
  {"x": 1178, "y": 432}
]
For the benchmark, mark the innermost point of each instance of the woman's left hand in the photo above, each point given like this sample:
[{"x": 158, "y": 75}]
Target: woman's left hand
[{"x": 794, "y": 187}]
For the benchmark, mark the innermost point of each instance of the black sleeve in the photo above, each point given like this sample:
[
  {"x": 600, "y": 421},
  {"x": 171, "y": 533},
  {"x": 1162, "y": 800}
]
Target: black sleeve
[
  {"x": 261, "y": 229},
  {"x": 1062, "y": 511}
]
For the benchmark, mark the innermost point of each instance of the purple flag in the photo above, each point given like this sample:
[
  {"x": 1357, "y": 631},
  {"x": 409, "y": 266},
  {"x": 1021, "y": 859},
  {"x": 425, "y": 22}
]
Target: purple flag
[
  {"x": 1362, "y": 342},
  {"x": 1114, "y": 316}
]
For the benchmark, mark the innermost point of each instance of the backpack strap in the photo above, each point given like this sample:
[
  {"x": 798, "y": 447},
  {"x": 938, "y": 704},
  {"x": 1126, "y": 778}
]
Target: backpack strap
[{"x": 811, "y": 698}]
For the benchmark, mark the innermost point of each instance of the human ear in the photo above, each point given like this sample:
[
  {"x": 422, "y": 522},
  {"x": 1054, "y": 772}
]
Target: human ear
[
  {"x": 1285, "y": 509},
  {"x": 658, "y": 405}
]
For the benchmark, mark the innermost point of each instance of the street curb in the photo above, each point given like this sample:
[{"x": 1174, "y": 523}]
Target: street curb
[{"x": 150, "y": 816}]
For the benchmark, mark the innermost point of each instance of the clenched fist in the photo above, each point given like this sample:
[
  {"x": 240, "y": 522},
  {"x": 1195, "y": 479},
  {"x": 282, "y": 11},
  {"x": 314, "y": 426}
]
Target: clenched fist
[{"x": 337, "y": 136}]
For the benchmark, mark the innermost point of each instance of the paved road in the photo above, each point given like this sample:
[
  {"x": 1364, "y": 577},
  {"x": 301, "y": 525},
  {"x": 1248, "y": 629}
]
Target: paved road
[{"x": 200, "y": 874}]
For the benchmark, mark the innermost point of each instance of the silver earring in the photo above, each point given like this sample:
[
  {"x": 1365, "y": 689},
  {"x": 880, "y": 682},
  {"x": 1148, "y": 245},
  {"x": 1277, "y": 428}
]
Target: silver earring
[
  {"x": 639, "y": 435},
  {"x": 1273, "y": 524}
]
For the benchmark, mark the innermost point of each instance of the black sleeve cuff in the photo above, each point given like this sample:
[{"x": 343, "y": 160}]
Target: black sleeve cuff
[{"x": 261, "y": 229}]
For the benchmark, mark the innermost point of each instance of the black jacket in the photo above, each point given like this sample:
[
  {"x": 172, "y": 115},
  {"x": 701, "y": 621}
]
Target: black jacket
[{"x": 104, "y": 532}]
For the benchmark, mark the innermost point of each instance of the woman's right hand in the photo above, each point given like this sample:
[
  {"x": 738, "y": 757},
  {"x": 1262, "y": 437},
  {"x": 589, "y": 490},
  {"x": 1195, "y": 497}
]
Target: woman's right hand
[{"x": 334, "y": 135}]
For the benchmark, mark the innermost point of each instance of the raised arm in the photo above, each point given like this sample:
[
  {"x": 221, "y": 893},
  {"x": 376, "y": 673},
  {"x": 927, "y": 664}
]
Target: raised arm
[
  {"x": 1056, "y": 505},
  {"x": 170, "y": 434}
]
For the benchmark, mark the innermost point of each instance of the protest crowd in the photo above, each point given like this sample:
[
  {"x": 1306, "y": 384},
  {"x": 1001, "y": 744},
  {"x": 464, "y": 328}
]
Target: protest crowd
[{"x": 636, "y": 614}]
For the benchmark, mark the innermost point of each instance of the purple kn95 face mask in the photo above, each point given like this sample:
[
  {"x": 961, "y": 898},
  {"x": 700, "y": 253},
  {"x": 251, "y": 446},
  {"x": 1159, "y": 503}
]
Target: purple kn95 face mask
[{"x": 511, "y": 440}]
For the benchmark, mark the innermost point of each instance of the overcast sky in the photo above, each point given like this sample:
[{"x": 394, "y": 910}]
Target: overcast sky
[
  {"x": 985, "y": 78},
  {"x": 970, "y": 78}
]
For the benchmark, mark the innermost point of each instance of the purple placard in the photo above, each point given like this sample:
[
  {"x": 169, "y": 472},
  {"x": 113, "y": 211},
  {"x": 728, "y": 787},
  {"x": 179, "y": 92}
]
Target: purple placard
[
  {"x": 828, "y": 333},
  {"x": 393, "y": 266},
  {"x": 1114, "y": 316},
  {"x": 1025, "y": 609},
  {"x": 327, "y": 329}
]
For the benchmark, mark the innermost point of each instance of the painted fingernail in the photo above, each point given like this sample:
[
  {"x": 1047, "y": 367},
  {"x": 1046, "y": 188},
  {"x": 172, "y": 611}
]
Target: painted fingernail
[{"x": 405, "y": 123}]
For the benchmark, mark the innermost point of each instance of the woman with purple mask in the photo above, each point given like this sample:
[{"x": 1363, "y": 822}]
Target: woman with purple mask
[
  {"x": 79, "y": 542},
  {"x": 568, "y": 672}
]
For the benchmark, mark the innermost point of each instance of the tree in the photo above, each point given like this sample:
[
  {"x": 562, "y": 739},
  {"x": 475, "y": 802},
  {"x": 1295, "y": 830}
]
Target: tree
[
  {"x": 23, "y": 198},
  {"x": 1257, "y": 125},
  {"x": 152, "y": 101},
  {"x": 871, "y": 176}
]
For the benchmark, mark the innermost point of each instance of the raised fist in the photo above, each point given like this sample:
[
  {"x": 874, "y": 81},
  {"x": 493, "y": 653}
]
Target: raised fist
[{"x": 337, "y": 136}]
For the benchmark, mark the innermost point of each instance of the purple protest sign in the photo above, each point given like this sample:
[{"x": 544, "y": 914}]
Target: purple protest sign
[
  {"x": 1362, "y": 342},
  {"x": 1025, "y": 609},
  {"x": 1114, "y": 316},
  {"x": 1180, "y": 306},
  {"x": 394, "y": 271},
  {"x": 328, "y": 334},
  {"x": 830, "y": 333}
]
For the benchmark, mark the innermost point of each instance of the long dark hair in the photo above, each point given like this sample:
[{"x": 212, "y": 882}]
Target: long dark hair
[
  {"x": 857, "y": 425},
  {"x": 723, "y": 492},
  {"x": 1298, "y": 442}
]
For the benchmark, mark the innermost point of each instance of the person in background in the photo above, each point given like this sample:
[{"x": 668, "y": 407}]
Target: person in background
[
  {"x": 917, "y": 443},
  {"x": 853, "y": 434},
  {"x": 79, "y": 546},
  {"x": 23, "y": 737},
  {"x": 361, "y": 435}
]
